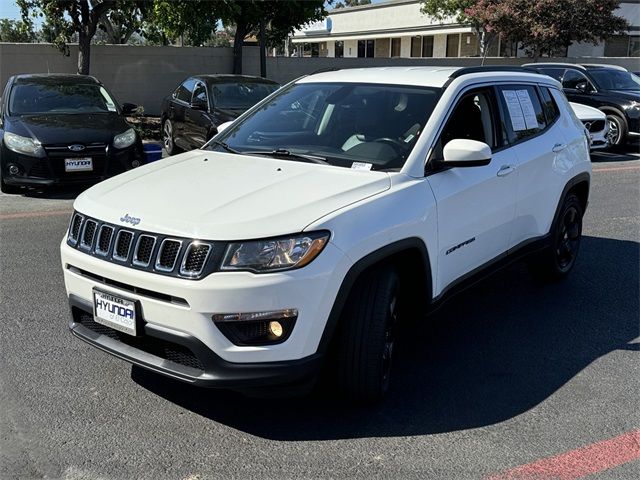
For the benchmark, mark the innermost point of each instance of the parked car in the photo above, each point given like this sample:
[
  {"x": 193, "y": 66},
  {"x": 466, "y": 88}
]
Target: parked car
[
  {"x": 305, "y": 230},
  {"x": 609, "y": 88},
  {"x": 192, "y": 113},
  {"x": 595, "y": 122},
  {"x": 62, "y": 129}
]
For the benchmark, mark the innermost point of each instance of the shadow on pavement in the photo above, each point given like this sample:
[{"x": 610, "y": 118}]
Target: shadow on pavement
[
  {"x": 56, "y": 193},
  {"x": 627, "y": 153},
  {"x": 490, "y": 354}
]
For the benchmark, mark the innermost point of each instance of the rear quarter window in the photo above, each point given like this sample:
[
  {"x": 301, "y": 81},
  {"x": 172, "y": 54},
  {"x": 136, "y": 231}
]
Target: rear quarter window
[{"x": 551, "y": 110}]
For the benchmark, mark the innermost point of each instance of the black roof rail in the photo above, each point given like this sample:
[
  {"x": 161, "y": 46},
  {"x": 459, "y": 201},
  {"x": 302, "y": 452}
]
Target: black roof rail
[
  {"x": 325, "y": 69},
  {"x": 491, "y": 68}
]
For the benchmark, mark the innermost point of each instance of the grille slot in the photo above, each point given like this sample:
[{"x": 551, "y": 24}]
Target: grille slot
[
  {"x": 194, "y": 259},
  {"x": 104, "y": 240},
  {"x": 122, "y": 245},
  {"x": 595, "y": 125},
  {"x": 168, "y": 255},
  {"x": 144, "y": 250},
  {"x": 88, "y": 234},
  {"x": 74, "y": 228}
]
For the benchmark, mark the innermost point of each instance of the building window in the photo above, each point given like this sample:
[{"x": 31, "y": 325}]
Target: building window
[
  {"x": 617, "y": 46},
  {"x": 362, "y": 48},
  {"x": 416, "y": 46},
  {"x": 395, "y": 47},
  {"x": 453, "y": 44},
  {"x": 427, "y": 46},
  {"x": 371, "y": 45},
  {"x": 339, "y": 49},
  {"x": 507, "y": 48},
  {"x": 634, "y": 46}
]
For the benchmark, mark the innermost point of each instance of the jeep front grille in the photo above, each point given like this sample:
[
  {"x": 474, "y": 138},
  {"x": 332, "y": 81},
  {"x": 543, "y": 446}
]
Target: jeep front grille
[{"x": 179, "y": 257}]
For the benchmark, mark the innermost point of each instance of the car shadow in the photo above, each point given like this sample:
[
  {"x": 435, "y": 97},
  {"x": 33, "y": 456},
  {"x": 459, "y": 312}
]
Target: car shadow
[
  {"x": 55, "y": 193},
  {"x": 488, "y": 355},
  {"x": 622, "y": 154}
]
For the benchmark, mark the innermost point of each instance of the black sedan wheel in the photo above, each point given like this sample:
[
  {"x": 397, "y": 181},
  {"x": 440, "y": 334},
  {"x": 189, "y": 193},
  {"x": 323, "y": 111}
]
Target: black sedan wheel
[
  {"x": 168, "y": 138},
  {"x": 617, "y": 130}
]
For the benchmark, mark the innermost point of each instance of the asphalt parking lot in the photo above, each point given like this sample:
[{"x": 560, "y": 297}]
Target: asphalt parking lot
[{"x": 509, "y": 378}]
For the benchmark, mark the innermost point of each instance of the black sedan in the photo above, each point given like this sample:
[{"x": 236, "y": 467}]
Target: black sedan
[
  {"x": 63, "y": 129},
  {"x": 192, "y": 113}
]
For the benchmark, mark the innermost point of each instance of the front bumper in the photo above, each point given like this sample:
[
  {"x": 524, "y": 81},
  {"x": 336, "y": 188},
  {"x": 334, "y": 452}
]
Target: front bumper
[
  {"x": 179, "y": 311},
  {"x": 184, "y": 357}
]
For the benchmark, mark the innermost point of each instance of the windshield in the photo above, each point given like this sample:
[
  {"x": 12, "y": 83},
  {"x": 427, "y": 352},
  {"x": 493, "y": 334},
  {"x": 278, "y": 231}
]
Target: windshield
[
  {"x": 240, "y": 95},
  {"x": 365, "y": 126},
  {"x": 609, "y": 79},
  {"x": 39, "y": 98}
]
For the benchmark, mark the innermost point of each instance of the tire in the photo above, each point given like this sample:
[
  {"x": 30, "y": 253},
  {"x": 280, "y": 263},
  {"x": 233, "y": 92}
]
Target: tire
[
  {"x": 168, "y": 138},
  {"x": 366, "y": 337},
  {"x": 617, "y": 130},
  {"x": 556, "y": 261},
  {"x": 8, "y": 189}
]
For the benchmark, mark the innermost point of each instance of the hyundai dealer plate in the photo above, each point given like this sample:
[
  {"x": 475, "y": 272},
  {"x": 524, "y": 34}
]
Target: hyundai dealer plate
[
  {"x": 114, "y": 312},
  {"x": 84, "y": 164}
]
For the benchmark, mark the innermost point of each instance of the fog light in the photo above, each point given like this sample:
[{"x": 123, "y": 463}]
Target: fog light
[
  {"x": 13, "y": 169},
  {"x": 135, "y": 163},
  {"x": 275, "y": 328},
  {"x": 257, "y": 328}
]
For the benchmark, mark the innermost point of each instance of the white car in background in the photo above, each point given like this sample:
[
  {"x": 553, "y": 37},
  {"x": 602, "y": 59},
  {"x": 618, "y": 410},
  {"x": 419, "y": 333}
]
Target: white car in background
[{"x": 595, "y": 122}]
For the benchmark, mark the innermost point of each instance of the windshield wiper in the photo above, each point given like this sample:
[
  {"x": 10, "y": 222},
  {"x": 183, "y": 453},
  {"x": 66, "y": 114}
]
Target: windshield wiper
[
  {"x": 225, "y": 146},
  {"x": 284, "y": 153}
]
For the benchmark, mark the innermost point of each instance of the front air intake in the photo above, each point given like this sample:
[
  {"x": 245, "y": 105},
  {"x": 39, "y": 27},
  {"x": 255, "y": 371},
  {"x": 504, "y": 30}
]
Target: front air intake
[
  {"x": 123, "y": 245},
  {"x": 194, "y": 259},
  {"x": 168, "y": 255}
]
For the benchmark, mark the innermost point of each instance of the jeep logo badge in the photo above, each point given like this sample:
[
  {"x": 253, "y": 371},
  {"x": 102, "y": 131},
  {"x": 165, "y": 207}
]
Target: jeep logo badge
[
  {"x": 128, "y": 219},
  {"x": 76, "y": 147}
]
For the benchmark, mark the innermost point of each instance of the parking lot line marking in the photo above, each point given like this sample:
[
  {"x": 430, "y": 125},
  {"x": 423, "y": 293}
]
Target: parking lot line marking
[
  {"x": 614, "y": 169},
  {"x": 581, "y": 462},
  {"x": 51, "y": 213}
]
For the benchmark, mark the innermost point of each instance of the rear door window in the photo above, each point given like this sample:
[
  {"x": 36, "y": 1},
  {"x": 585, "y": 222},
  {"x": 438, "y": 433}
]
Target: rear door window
[{"x": 523, "y": 111}]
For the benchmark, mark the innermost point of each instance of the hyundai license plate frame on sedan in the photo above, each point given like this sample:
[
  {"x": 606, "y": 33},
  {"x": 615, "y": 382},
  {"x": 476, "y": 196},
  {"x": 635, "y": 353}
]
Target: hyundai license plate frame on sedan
[
  {"x": 84, "y": 164},
  {"x": 115, "y": 312}
]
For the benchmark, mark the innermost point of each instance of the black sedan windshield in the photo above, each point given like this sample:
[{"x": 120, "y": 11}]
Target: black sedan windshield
[
  {"x": 365, "y": 126},
  {"x": 47, "y": 97},
  {"x": 240, "y": 95},
  {"x": 610, "y": 79}
]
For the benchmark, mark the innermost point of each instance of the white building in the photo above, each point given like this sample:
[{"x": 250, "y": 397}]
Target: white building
[{"x": 397, "y": 28}]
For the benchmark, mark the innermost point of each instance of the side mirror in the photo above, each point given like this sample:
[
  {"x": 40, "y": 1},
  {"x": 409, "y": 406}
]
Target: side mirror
[
  {"x": 223, "y": 126},
  {"x": 198, "y": 104},
  {"x": 129, "y": 108},
  {"x": 583, "y": 87},
  {"x": 466, "y": 153}
]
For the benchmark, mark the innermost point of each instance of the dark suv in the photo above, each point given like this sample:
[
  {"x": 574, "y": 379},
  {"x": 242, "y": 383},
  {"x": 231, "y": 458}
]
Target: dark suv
[{"x": 612, "y": 89}]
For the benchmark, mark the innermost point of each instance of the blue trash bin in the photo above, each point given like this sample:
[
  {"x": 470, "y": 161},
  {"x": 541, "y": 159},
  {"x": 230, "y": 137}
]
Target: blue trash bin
[{"x": 152, "y": 152}]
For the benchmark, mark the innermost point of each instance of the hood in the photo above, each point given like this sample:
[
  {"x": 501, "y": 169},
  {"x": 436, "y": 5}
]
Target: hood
[
  {"x": 228, "y": 114},
  {"x": 65, "y": 129},
  {"x": 220, "y": 196},
  {"x": 585, "y": 112}
]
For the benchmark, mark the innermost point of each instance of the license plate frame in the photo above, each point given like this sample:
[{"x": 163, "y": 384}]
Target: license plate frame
[
  {"x": 114, "y": 312},
  {"x": 78, "y": 164}
]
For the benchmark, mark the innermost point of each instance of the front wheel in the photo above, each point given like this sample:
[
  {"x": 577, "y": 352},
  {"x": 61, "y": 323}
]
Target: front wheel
[
  {"x": 617, "y": 130},
  {"x": 367, "y": 335},
  {"x": 557, "y": 260},
  {"x": 168, "y": 138}
]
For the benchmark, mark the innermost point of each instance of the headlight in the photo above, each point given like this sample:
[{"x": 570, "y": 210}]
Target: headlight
[
  {"x": 274, "y": 254},
  {"x": 125, "y": 139},
  {"x": 24, "y": 145}
]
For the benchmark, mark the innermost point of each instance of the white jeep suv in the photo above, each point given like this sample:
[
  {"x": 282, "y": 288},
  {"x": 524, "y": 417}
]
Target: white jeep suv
[{"x": 306, "y": 229}]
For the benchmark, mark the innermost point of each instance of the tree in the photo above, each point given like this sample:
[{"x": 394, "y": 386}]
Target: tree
[
  {"x": 352, "y": 3},
  {"x": 120, "y": 23},
  {"x": 66, "y": 18},
  {"x": 280, "y": 17},
  {"x": 192, "y": 20},
  {"x": 15, "y": 31}
]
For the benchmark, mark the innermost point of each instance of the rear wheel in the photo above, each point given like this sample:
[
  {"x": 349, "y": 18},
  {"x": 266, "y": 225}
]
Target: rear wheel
[
  {"x": 617, "y": 130},
  {"x": 367, "y": 335},
  {"x": 557, "y": 260}
]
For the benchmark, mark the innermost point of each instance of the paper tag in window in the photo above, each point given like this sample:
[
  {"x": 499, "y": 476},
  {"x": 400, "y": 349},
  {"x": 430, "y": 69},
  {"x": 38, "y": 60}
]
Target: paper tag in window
[
  {"x": 515, "y": 112},
  {"x": 361, "y": 166},
  {"x": 527, "y": 109},
  {"x": 111, "y": 106}
]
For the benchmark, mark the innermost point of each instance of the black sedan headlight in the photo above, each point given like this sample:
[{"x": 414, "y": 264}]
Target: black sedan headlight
[{"x": 23, "y": 145}]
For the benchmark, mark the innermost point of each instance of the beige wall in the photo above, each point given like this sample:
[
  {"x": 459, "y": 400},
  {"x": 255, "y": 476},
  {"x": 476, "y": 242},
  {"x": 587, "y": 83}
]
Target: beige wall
[{"x": 145, "y": 75}]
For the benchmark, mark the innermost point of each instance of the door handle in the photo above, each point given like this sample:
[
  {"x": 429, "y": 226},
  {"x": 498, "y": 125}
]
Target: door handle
[
  {"x": 506, "y": 170},
  {"x": 558, "y": 147}
]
